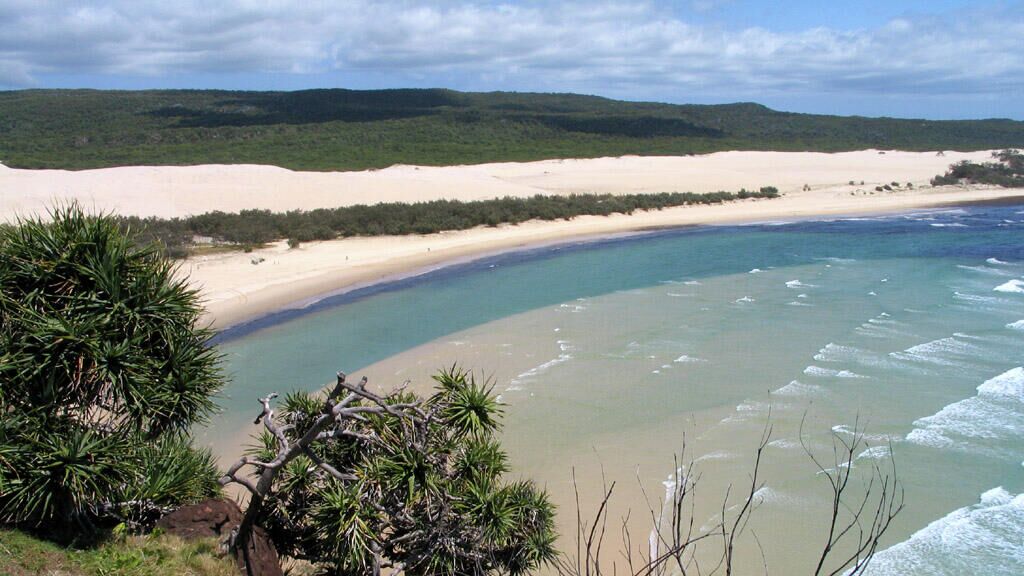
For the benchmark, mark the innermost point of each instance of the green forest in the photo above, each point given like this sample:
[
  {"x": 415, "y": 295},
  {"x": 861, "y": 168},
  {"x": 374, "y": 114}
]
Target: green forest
[{"x": 336, "y": 129}]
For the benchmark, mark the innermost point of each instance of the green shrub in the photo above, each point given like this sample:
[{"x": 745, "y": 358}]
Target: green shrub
[
  {"x": 1006, "y": 171},
  {"x": 252, "y": 227}
]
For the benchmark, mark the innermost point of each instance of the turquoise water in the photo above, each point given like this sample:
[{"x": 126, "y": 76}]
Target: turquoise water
[{"x": 607, "y": 353}]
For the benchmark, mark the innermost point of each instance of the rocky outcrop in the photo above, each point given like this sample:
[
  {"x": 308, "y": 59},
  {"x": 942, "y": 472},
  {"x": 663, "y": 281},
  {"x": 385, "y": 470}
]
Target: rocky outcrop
[{"x": 218, "y": 519}]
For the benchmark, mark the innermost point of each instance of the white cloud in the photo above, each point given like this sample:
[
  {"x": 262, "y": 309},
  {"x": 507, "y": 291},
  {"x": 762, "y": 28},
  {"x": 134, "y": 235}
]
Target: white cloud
[{"x": 601, "y": 46}]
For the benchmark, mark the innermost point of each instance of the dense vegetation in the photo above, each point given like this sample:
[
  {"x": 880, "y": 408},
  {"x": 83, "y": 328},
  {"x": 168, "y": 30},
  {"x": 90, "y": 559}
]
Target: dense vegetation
[
  {"x": 1006, "y": 171},
  {"x": 346, "y": 129},
  {"x": 103, "y": 369},
  {"x": 354, "y": 482},
  {"x": 253, "y": 227}
]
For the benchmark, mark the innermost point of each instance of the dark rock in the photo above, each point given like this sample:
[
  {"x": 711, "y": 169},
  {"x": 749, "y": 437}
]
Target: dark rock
[
  {"x": 217, "y": 519},
  {"x": 207, "y": 519}
]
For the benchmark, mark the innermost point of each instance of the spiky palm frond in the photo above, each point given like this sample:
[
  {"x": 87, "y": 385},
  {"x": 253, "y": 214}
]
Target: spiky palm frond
[
  {"x": 65, "y": 474},
  {"x": 480, "y": 458},
  {"x": 89, "y": 319},
  {"x": 174, "y": 472},
  {"x": 469, "y": 407},
  {"x": 347, "y": 527}
]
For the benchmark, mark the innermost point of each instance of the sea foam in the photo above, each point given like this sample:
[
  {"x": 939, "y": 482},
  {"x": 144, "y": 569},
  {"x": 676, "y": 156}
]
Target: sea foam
[
  {"x": 984, "y": 270},
  {"x": 985, "y": 538},
  {"x": 797, "y": 388},
  {"x": 943, "y": 351},
  {"x": 995, "y": 414},
  {"x": 830, "y": 373},
  {"x": 1014, "y": 286},
  {"x": 540, "y": 369}
]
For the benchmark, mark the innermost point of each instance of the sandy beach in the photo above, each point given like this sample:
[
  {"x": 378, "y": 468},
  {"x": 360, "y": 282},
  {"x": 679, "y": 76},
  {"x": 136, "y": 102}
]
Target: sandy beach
[{"x": 235, "y": 289}]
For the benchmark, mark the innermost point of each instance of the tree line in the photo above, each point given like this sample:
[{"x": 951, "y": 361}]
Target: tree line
[
  {"x": 249, "y": 228},
  {"x": 355, "y": 130}
]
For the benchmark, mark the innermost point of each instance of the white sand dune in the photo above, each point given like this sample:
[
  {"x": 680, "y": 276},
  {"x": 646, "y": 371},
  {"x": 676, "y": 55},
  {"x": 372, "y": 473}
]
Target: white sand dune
[{"x": 235, "y": 289}]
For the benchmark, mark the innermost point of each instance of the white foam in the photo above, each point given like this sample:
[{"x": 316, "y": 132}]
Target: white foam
[
  {"x": 995, "y": 413},
  {"x": 746, "y": 409},
  {"x": 997, "y": 262},
  {"x": 975, "y": 298},
  {"x": 939, "y": 351},
  {"x": 1013, "y": 286},
  {"x": 984, "y": 270},
  {"x": 837, "y": 353},
  {"x": 684, "y": 359},
  {"x": 755, "y": 271},
  {"x": 716, "y": 455},
  {"x": 769, "y": 495},
  {"x": 948, "y": 225},
  {"x": 540, "y": 369},
  {"x": 874, "y": 453},
  {"x": 797, "y": 388},
  {"x": 837, "y": 260},
  {"x": 692, "y": 283},
  {"x": 1009, "y": 383},
  {"x": 829, "y": 373},
  {"x": 986, "y": 538},
  {"x": 796, "y": 303},
  {"x": 799, "y": 284},
  {"x": 744, "y": 300},
  {"x": 1018, "y": 325},
  {"x": 873, "y": 438}
]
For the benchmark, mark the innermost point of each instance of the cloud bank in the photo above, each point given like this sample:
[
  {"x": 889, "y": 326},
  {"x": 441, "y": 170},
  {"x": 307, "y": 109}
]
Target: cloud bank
[{"x": 618, "y": 48}]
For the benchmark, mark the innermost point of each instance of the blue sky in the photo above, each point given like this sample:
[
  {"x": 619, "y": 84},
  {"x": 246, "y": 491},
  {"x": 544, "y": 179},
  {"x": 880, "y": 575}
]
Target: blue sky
[{"x": 936, "y": 59}]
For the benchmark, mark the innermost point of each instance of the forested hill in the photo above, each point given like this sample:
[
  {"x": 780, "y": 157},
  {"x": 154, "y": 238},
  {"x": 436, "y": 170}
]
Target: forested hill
[{"x": 346, "y": 129}]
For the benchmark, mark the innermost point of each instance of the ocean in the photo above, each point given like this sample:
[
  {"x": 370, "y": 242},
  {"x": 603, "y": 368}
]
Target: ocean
[{"x": 611, "y": 355}]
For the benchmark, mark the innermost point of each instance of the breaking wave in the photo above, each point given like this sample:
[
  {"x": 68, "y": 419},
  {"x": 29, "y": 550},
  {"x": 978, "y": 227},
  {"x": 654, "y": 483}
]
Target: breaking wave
[
  {"x": 1013, "y": 286},
  {"x": 986, "y": 538},
  {"x": 830, "y": 373},
  {"x": 995, "y": 414}
]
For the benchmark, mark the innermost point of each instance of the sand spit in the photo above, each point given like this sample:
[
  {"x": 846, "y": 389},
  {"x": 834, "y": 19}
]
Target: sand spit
[{"x": 236, "y": 289}]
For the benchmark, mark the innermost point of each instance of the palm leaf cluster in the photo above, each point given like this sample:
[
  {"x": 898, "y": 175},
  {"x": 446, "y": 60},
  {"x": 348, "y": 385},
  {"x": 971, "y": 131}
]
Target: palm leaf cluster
[
  {"x": 103, "y": 369},
  {"x": 425, "y": 496}
]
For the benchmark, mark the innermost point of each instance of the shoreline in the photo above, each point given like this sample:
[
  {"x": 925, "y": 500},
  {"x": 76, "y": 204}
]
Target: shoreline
[
  {"x": 238, "y": 288},
  {"x": 241, "y": 300}
]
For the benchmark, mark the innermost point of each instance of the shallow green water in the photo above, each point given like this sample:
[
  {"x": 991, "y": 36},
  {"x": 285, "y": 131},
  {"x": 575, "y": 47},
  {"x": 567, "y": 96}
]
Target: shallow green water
[{"x": 607, "y": 356}]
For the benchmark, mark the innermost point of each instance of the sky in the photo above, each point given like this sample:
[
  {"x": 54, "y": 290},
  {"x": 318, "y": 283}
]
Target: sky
[{"x": 921, "y": 58}]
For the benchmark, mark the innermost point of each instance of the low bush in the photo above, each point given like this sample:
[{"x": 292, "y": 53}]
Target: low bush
[
  {"x": 254, "y": 227},
  {"x": 1007, "y": 170}
]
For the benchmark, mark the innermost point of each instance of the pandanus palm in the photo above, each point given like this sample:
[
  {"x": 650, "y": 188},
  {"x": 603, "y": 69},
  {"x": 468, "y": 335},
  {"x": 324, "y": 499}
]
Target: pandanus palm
[
  {"x": 401, "y": 482},
  {"x": 102, "y": 359}
]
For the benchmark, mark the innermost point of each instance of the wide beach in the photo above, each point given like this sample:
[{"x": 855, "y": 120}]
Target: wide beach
[{"x": 235, "y": 289}]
